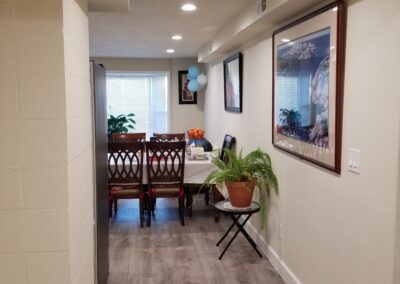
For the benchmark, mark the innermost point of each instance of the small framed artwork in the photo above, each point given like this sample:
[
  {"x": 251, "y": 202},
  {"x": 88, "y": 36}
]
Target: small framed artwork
[
  {"x": 308, "y": 71},
  {"x": 185, "y": 96},
  {"x": 233, "y": 83}
]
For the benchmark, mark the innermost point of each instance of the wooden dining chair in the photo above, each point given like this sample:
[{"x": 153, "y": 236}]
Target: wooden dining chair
[
  {"x": 125, "y": 174},
  {"x": 229, "y": 143},
  {"x": 129, "y": 137},
  {"x": 165, "y": 173},
  {"x": 169, "y": 137}
]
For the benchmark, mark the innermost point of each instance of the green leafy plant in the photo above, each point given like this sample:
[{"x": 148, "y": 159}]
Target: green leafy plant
[
  {"x": 289, "y": 119},
  {"x": 256, "y": 167},
  {"x": 121, "y": 123}
]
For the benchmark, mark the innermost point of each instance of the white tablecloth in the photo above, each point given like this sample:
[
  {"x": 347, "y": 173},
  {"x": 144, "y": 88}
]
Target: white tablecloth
[{"x": 196, "y": 171}]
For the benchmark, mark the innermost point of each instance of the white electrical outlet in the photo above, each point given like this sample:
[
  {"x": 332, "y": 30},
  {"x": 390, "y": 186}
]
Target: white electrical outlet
[{"x": 354, "y": 161}]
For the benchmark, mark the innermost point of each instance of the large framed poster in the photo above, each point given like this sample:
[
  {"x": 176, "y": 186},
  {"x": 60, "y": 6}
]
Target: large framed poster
[{"x": 308, "y": 69}]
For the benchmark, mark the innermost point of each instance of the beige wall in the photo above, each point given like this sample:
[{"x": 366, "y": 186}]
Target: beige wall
[
  {"x": 396, "y": 275},
  {"x": 37, "y": 146},
  {"x": 34, "y": 205},
  {"x": 336, "y": 229},
  {"x": 79, "y": 140},
  {"x": 182, "y": 117}
]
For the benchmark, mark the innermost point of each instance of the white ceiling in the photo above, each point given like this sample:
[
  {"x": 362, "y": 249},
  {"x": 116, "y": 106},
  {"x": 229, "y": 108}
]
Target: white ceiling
[{"x": 146, "y": 31}]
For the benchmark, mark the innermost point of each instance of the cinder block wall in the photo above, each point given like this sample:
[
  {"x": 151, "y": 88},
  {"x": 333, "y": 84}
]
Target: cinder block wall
[{"x": 46, "y": 183}]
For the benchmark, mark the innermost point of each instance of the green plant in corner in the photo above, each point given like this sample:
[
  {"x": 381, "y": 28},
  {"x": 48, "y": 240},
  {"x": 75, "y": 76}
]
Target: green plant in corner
[
  {"x": 121, "y": 123},
  {"x": 255, "y": 169}
]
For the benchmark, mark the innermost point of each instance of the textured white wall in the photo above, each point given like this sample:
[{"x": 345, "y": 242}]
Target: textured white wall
[
  {"x": 34, "y": 240},
  {"x": 79, "y": 138},
  {"x": 42, "y": 101},
  {"x": 337, "y": 229},
  {"x": 183, "y": 117}
]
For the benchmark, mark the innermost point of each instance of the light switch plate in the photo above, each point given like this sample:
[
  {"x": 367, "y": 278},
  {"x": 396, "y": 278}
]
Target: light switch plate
[{"x": 354, "y": 161}]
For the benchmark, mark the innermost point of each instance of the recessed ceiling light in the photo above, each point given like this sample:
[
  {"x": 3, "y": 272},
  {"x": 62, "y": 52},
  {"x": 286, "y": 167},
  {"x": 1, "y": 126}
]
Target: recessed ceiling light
[
  {"x": 188, "y": 7},
  {"x": 170, "y": 51},
  {"x": 335, "y": 9},
  {"x": 176, "y": 37},
  {"x": 285, "y": 40}
]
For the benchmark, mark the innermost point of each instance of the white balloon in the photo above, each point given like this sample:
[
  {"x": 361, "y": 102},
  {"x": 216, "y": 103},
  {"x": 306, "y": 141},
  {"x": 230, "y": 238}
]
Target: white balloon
[{"x": 202, "y": 79}]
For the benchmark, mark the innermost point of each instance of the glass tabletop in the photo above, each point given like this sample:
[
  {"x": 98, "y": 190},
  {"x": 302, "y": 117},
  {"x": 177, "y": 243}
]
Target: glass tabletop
[{"x": 226, "y": 206}]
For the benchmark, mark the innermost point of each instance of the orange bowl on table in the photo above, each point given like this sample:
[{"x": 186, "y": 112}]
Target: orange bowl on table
[{"x": 195, "y": 133}]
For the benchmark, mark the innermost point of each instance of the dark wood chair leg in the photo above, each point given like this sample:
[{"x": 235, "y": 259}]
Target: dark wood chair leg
[
  {"x": 145, "y": 198},
  {"x": 153, "y": 204},
  {"x": 207, "y": 197},
  {"x": 141, "y": 206},
  {"x": 110, "y": 204},
  {"x": 181, "y": 201},
  {"x": 115, "y": 206}
]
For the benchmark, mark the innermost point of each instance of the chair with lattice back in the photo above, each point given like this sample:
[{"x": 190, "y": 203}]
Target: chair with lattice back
[
  {"x": 165, "y": 173},
  {"x": 125, "y": 174},
  {"x": 129, "y": 137}
]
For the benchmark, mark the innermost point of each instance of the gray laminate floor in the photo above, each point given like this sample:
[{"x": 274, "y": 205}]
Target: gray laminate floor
[{"x": 170, "y": 253}]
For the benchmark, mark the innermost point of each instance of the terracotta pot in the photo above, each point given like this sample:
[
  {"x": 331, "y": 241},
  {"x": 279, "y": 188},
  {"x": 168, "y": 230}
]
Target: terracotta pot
[{"x": 240, "y": 193}]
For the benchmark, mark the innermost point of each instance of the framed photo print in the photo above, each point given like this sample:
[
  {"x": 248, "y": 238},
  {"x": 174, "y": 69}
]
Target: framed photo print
[
  {"x": 233, "y": 83},
  {"x": 185, "y": 96},
  {"x": 308, "y": 69}
]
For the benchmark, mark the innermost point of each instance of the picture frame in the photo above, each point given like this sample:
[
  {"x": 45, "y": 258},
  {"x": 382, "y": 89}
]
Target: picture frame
[
  {"x": 233, "y": 83},
  {"x": 308, "y": 80},
  {"x": 185, "y": 96}
]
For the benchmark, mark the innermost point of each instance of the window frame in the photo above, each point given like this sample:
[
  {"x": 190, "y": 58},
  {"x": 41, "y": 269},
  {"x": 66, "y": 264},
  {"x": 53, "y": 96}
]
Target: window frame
[{"x": 150, "y": 73}]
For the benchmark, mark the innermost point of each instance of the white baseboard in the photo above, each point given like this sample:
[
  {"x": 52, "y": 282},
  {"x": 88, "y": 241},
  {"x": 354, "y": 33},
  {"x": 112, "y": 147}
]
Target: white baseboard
[{"x": 280, "y": 266}]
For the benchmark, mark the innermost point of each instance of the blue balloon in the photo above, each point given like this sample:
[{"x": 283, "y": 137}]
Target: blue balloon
[
  {"x": 191, "y": 77},
  {"x": 193, "y": 86},
  {"x": 194, "y": 71}
]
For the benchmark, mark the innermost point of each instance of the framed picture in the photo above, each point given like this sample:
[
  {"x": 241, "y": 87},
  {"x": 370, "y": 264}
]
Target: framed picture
[
  {"x": 308, "y": 74},
  {"x": 233, "y": 83},
  {"x": 185, "y": 96}
]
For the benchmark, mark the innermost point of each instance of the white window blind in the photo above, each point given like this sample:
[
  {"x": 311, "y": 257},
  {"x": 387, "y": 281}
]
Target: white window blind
[{"x": 145, "y": 95}]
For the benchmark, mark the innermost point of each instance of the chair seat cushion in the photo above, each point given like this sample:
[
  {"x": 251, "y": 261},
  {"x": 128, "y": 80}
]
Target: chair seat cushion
[
  {"x": 124, "y": 190},
  {"x": 167, "y": 192}
]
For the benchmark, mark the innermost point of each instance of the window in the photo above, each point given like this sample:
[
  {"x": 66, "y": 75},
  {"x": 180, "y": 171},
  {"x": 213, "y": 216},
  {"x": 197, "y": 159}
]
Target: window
[{"x": 145, "y": 95}]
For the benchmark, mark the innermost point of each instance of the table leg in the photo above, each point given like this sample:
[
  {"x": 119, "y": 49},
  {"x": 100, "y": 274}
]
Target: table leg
[
  {"x": 227, "y": 232},
  {"x": 240, "y": 229},
  {"x": 217, "y": 196},
  {"x": 247, "y": 236},
  {"x": 189, "y": 201},
  {"x": 235, "y": 235}
]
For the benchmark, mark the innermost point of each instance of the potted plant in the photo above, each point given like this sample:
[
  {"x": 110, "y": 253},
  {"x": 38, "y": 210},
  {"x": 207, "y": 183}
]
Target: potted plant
[
  {"x": 242, "y": 174},
  {"x": 120, "y": 124},
  {"x": 290, "y": 120}
]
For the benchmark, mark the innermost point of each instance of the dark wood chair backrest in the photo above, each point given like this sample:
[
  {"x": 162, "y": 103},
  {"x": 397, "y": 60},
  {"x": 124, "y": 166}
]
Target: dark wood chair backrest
[
  {"x": 229, "y": 142},
  {"x": 125, "y": 163},
  {"x": 169, "y": 136},
  {"x": 129, "y": 137},
  {"x": 165, "y": 163}
]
